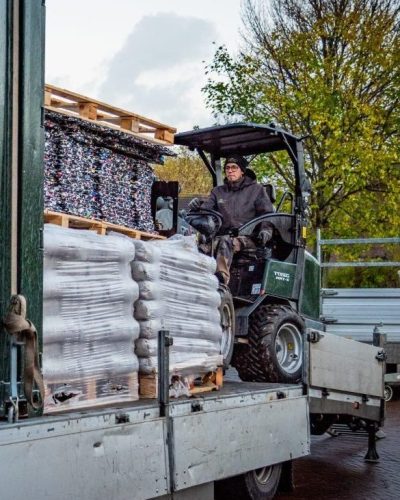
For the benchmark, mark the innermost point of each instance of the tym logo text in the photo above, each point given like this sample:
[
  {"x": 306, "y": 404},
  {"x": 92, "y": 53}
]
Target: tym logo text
[{"x": 281, "y": 276}]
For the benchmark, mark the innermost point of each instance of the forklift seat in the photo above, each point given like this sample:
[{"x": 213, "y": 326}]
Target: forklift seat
[{"x": 282, "y": 243}]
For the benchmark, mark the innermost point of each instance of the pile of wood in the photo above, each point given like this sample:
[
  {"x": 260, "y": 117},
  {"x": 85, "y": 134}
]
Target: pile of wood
[{"x": 73, "y": 104}]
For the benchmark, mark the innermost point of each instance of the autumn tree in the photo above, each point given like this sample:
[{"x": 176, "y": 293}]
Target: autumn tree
[
  {"x": 189, "y": 170},
  {"x": 327, "y": 70}
]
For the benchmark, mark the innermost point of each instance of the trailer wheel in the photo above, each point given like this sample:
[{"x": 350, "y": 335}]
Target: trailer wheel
[
  {"x": 227, "y": 313},
  {"x": 319, "y": 424},
  {"x": 259, "y": 484},
  {"x": 262, "y": 483},
  {"x": 275, "y": 349},
  {"x": 388, "y": 393}
]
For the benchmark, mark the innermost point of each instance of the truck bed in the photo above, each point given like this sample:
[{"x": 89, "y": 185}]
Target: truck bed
[{"x": 113, "y": 452}]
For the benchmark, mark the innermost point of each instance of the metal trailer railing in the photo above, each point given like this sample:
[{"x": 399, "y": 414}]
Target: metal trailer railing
[
  {"x": 354, "y": 241},
  {"x": 356, "y": 308}
]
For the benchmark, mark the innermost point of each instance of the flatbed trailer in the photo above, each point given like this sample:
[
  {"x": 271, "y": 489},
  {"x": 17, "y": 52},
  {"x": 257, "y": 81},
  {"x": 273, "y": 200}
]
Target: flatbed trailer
[
  {"x": 158, "y": 448},
  {"x": 133, "y": 452}
]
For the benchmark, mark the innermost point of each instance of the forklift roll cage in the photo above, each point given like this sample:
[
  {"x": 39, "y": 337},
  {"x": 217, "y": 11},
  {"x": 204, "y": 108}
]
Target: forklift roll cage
[{"x": 248, "y": 139}]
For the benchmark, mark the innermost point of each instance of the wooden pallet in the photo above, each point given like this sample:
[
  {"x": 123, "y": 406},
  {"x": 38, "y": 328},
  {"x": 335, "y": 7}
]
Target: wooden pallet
[
  {"x": 213, "y": 381},
  {"x": 67, "y": 396},
  {"x": 100, "y": 227},
  {"x": 86, "y": 108}
]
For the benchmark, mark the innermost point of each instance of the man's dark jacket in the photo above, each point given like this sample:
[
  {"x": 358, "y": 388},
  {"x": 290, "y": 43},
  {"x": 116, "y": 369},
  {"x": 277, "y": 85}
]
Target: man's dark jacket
[{"x": 239, "y": 203}]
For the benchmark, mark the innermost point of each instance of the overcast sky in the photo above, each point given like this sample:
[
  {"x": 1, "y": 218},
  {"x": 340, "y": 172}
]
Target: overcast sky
[{"x": 146, "y": 56}]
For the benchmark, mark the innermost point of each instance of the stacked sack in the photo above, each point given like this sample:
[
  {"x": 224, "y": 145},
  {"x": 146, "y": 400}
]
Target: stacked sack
[
  {"x": 88, "y": 324},
  {"x": 177, "y": 292}
]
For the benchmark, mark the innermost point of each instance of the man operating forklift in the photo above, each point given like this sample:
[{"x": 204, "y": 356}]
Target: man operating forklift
[{"x": 239, "y": 200}]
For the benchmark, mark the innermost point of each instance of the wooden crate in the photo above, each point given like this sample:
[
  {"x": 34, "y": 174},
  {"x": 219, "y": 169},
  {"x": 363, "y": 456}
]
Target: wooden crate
[
  {"x": 73, "y": 104},
  {"x": 73, "y": 395},
  {"x": 213, "y": 381},
  {"x": 100, "y": 227}
]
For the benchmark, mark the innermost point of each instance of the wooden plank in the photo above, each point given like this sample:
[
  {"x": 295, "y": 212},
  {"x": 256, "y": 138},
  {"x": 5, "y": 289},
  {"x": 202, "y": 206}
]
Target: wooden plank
[
  {"x": 106, "y": 123},
  {"x": 130, "y": 123},
  {"x": 213, "y": 381},
  {"x": 148, "y": 386},
  {"x": 47, "y": 98},
  {"x": 164, "y": 135},
  {"x": 101, "y": 227},
  {"x": 219, "y": 377},
  {"x": 73, "y": 96},
  {"x": 65, "y": 105},
  {"x": 88, "y": 110}
]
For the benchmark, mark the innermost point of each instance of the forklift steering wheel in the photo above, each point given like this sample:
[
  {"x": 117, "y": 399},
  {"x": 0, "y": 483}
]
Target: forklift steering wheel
[{"x": 194, "y": 216}]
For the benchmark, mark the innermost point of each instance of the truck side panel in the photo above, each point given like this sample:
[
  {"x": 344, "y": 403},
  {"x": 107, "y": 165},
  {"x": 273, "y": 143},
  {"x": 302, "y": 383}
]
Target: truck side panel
[
  {"x": 87, "y": 459},
  {"x": 341, "y": 364},
  {"x": 136, "y": 454},
  {"x": 215, "y": 445}
]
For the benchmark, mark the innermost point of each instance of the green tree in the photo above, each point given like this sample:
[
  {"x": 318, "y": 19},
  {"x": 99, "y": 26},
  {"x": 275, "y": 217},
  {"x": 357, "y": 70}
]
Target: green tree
[
  {"x": 327, "y": 70},
  {"x": 189, "y": 170}
]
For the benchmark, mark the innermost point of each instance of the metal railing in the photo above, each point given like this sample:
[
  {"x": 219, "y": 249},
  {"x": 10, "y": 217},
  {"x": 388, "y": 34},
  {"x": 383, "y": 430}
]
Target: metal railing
[{"x": 354, "y": 241}]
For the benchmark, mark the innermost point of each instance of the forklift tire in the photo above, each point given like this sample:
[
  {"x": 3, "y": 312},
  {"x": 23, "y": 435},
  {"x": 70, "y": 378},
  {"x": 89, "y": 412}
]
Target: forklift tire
[
  {"x": 275, "y": 349},
  {"x": 260, "y": 484},
  {"x": 227, "y": 313}
]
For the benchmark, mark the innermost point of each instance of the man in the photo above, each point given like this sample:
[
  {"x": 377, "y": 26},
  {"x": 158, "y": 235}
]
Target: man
[{"x": 239, "y": 200}]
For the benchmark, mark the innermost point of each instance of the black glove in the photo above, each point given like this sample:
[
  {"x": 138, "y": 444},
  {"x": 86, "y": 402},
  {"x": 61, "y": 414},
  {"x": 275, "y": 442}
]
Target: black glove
[
  {"x": 265, "y": 236},
  {"x": 195, "y": 204}
]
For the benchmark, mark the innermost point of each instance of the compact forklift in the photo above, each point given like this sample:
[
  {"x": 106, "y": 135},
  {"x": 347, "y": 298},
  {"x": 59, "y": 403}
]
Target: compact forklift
[{"x": 274, "y": 291}]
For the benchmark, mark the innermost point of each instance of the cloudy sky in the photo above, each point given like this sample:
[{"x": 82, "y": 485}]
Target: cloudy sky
[{"x": 146, "y": 56}]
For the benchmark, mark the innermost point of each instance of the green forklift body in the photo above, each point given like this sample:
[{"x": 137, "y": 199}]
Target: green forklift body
[
  {"x": 310, "y": 297},
  {"x": 279, "y": 279}
]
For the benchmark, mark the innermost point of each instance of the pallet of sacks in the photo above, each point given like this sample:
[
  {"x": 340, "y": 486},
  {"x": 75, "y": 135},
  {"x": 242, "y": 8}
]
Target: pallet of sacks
[
  {"x": 88, "y": 324},
  {"x": 178, "y": 292}
]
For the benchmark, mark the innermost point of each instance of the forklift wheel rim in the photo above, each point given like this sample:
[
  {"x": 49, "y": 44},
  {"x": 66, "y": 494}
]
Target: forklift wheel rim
[
  {"x": 226, "y": 324},
  {"x": 289, "y": 348}
]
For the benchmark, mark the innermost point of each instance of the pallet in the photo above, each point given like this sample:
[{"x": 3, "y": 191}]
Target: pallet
[
  {"x": 80, "y": 394},
  {"x": 73, "y": 104},
  {"x": 98, "y": 226},
  {"x": 213, "y": 381}
]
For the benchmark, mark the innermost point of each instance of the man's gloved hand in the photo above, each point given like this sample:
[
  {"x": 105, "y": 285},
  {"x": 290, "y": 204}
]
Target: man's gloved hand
[
  {"x": 195, "y": 204},
  {"x": 264, "y": 236}
]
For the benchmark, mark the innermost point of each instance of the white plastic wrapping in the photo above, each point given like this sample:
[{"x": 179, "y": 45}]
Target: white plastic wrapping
[
  {"x": 88, "y": 324},
  {"x": 178, "y": 293}
]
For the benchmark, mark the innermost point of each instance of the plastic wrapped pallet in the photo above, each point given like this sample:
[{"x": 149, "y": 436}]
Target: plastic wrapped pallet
[
  {"x": 178, "y": 292},
  {"x": 88, "y": 324}
]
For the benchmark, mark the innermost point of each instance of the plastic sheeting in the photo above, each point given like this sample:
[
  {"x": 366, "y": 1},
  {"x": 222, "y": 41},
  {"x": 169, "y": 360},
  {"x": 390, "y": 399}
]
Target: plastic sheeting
[
  {"x": 178, "y": 292},
  {"x": 94, "y": 171},
  {"x": 88, "y": 324}
]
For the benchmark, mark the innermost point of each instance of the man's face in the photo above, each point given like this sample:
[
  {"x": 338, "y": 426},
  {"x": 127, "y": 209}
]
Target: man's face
[{"x": 233, "y": 172}]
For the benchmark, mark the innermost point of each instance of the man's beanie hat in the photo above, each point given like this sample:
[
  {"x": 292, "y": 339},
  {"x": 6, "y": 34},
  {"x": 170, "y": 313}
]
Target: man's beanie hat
[{"x": 238, "y": 160}]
